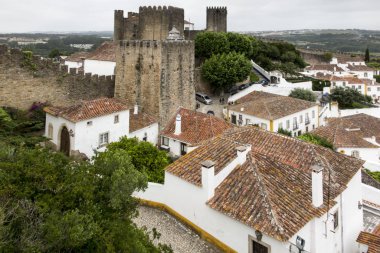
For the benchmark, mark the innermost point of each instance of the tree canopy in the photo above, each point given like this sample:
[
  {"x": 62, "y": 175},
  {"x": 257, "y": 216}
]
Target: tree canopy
[
  {"x": 350, "y": 98},
  {"x": 315, "y": 139},
  {"x": 145, "y": 157},
  {"x": 303, "y": 94},
  {"x": 224, "y": 70}
]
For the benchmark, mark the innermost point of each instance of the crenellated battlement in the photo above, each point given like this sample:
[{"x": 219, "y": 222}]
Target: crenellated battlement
[
  {"x": 217, "y": 8},
  {"x": 216, "y": 19}
]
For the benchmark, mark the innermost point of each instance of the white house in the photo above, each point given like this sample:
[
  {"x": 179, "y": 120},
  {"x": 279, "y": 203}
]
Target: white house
[
  {"x": 188, "y": 128},
  {"x": 369, "y": 242},
  {"x": 361, "y": 71},
  {"x": 102, "y": 61},
  {"x": 75, "y": 60},
  {"x": 90, "y": 125},
  {"x": 345, "y": 60},
  {"x": 330, "y": 69},
  {"x": 251, "y": 190},
  {"x": 272, "y": 112},
  {"x": 356, "y": 135}
]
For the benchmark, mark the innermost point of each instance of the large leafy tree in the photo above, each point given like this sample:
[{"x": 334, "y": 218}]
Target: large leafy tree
[
  {"x": 51, "y": 204},
  {"x": 240, "y": 43},
  {"x": 350, "y": 98},
  {"x": 209, "y": 43},
  {"x": 144, "y": 156},
  {"x": 223, "y": 70},
  {"x": 303, "y": 94}
]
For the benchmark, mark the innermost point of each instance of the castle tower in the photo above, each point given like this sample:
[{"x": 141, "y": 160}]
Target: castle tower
[
  {"x": 118, "y": 30},
  {"x": 216, "y": 19},
  {"x": 156, "y": 75},
  {"x": 156, "y": 22}
]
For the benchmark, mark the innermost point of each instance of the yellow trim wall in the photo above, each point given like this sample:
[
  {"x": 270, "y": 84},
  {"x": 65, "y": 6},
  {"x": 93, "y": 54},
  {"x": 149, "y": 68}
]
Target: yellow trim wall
[
  {"x": 271, "y": 125},
  {"x": 203, "y": 234}
]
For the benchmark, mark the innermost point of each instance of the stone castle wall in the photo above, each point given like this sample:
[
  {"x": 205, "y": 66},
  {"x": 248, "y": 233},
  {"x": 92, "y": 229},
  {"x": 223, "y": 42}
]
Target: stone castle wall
[
  {"x": 156, "y": 75},
  {"x": 20, "y": 86}
]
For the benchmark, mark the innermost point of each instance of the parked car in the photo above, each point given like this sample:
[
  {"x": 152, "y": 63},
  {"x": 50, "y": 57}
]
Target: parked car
[
  {"x": 203, "y": 98},
  {"x": 244, "y": 86},
  {"x": 264, "y": 82},
  {"x": 234, "y": 89}
]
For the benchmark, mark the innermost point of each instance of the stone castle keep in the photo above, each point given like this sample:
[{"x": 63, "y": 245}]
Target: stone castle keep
[
  {"x": 216, "y": 19},
  {"x": 154, "y": 70}
]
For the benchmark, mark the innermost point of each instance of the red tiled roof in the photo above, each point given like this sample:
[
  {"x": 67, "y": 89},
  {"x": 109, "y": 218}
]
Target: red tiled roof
[
  {"x": 77, "y": 57},
  {"x": 269, "y": 106},
  {"x": 359, "y": 68},
  {"x": 350, "y": 131},
  {"x": 327, "y": 67},
  {"x": 88, "y": 109},
  {"x": 105, "y": 52},
  {"x": 140, "y": 120},
  {"x": 371, "y": 240},
  {"x": 349, "y": 58},
  {"x": 195, "y": 127},
  {"x": 271, "y": 191}
]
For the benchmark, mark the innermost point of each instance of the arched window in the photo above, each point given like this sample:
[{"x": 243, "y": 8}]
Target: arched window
[{"x": 50, "y": 131}]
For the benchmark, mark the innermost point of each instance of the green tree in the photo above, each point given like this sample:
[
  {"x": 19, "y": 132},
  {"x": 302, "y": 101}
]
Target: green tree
[
  {"x": 51, "y": 204},
  {"x": 366, "y": 57},
  {"x": 318, "y": 85},
  {"x": 303, "y": 94},
  {"x": 223, "y": 70},
  {"x": 284, "y": 132},
  {"x": 311, "y": 138},
  {"x": 209, "y": 43},
  {"x": 374, "y": 174},
  {"x": 350, "y": 98},
  {"x": 145, "y": 157},
  {"x": 327, "y": 56},
  {"x": 54, "y": 53},
  {"x": 239, "y": 43}
]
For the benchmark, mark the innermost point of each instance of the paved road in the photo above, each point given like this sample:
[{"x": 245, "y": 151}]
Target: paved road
[
  {"x": 216, "y": 106},
  {"x": 181, "y": 238}
]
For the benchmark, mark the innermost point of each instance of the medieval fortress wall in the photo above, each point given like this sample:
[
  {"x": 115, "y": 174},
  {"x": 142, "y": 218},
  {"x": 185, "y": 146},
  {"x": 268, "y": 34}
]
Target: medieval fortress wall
[{"x": 48, "y": 82}]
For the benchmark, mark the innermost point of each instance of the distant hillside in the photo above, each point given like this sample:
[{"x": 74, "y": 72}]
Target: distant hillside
[{"x": 350, "y": 41}]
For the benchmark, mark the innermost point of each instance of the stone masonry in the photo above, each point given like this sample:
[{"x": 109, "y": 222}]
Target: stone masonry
[
  {"x": 156, "y": 75},
  {"x": 216, "y": 19},
  {"x": 20, "y": 86}
]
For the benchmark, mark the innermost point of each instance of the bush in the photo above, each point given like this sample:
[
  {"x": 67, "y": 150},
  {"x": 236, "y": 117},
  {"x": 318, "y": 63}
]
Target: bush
[
  {"x": 284, "y": 132},
  {"x": 303, "y": 94},
  {"x": 211, "y": 43},
  {"x": 349, "y": 98},
  {"x": 374, "y": 174},
  {"x": 377, "y": 77},
  {"x": 253, "y": 77},
  {"x": 311, "y": 138}
]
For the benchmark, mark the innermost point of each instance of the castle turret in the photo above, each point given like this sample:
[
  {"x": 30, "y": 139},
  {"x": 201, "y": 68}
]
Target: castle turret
[
  {"x": 118, "y": 31},
  {"x": 217, "y": 19}
]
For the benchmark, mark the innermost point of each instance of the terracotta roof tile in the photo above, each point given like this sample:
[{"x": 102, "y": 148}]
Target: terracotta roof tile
[
  {"x": 368, "y": 180},
  {"x": 140, "y": 120},
  {"x": 88, "y": 109},
  {"x": 350, "y": 131},
  {"x": 359, "y": 68},
  {"x": 77, "y": 57},
  {"x": 327, "y": 67},
  {"x": 105, "y": 52},
  {"x": 196, "y": 127},
  {"x": 371, "y": 240},
  {"x": 271, "y": 192},
  {"x": 269, "y": 106}
]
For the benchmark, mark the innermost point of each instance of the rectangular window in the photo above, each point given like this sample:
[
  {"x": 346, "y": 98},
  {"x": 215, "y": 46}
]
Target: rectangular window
[
  {"x": 145, "y": 138},
  {"x": 313, "y": 114},
  {"x": 336, "y": 219},
  {"x": 240, "y": 121},
  {"x": 307, "y": 120},
  {"x": 116, "y": 119},
  {"x": 378, "y": 88},
  {"x": 295, "y": 125},
  {"x": 103, "y": 139},
  {"x": 301, "y": 119},
  {"x": 280, "y": 125},
  {"x": 369, "y": 89},
  {"x": 247, "y": 122},
  {"x": 165, "y": 141},
  {"x": 287, "y": 124},
  {"x": 344, "y": 83},
  {"x": 89, "y": 123},
  {"x": 359, "y": 87}
]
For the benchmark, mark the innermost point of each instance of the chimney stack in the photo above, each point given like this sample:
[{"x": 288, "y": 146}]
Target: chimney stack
[
  {"x": 136, "y": 110},
  {"x": 242, "y": 154},
  {"x": 317, "y": 185},
  {"x": 177, "y": 130},
  {"x": 208, "y": 174}
]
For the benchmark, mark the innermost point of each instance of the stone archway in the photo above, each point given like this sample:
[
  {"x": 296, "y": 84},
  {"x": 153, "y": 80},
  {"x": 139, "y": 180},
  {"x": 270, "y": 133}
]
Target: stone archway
[{"x": 65, "y": 141}]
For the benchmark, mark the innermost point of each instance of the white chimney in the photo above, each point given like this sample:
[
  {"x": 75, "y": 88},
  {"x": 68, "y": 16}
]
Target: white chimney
[
  {"x": 136, "y": 110},
  {"x": 208, "y": 174},
  {"x": 317, "y": 185},
  {"x": 242, "y": 154},
  {"x": 177, "y": 130}
]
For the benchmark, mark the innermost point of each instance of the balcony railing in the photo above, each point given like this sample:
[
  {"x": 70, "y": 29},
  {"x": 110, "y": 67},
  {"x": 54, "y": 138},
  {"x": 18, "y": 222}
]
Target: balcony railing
[
  {"x": 307, "y": 121},
  {"x": 295, "y": 126}
]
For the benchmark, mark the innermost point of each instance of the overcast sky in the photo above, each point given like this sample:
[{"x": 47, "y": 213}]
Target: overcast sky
[{"x": 243, "y": 15}]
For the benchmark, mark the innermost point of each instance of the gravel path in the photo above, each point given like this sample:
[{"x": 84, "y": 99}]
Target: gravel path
[{"x": 181, "y": 238}]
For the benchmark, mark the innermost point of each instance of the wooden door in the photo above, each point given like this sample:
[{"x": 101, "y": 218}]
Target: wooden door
[
  {"x": 65, "y": 141},
  {"x": 258, "y": 248}
]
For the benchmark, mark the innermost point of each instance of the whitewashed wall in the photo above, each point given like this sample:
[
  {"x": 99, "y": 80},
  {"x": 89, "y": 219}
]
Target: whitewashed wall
[
  {"x": 150, "y": 131},
  {"x": 375, "y": 112},
  {"x": 101, "y": 68},
  {"x": 366, "y": 154},
  {"x": 371, "y": 194},
  {"x": 72, "y": 64}
]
